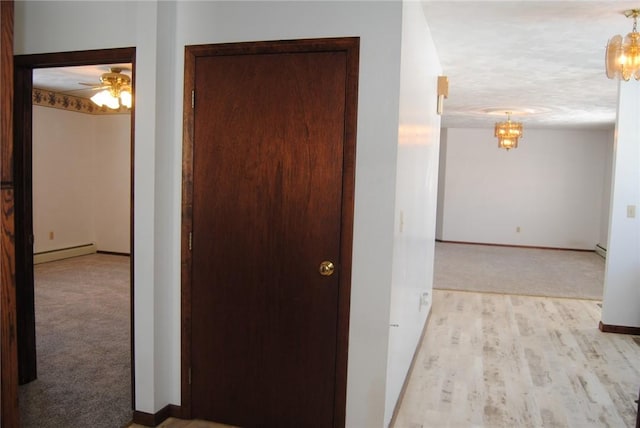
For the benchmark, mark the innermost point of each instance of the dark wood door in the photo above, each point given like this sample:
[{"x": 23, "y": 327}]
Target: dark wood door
[{"x": 268, "y": 207}]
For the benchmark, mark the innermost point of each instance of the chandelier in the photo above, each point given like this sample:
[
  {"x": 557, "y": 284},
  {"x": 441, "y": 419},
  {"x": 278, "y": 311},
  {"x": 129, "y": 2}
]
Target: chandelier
[
  {"x": 623, "y": 55},
  {"x": 508, "y": 133},
  {"x": 116, "y": 92}
]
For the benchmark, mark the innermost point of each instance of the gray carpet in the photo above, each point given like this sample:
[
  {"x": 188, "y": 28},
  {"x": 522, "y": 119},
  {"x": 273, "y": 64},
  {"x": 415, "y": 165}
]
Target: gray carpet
[
  {"x": 83, "y": 343},
  {"x": 527, "y": 271}
]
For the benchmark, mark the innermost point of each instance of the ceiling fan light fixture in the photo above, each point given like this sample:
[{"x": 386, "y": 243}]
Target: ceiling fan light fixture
[
  {"x": 104, "y": 98},
  {"x": 508, "y": 133},
  {"x": 622, "y": 57},
  {"x": 113, "y": 103},
  {"x": 117, "y": 92},
  {"x": 126, "y": 99}
]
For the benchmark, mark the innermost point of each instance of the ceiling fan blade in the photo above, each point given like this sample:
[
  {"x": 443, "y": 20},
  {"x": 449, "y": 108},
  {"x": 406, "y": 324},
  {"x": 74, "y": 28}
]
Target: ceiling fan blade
[{"x": 81, "y": 90}]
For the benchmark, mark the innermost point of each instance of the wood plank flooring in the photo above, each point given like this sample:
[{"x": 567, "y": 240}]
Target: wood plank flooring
[
  {"x": 495, "y": 360},
  {"x": 180, "y": 423}
]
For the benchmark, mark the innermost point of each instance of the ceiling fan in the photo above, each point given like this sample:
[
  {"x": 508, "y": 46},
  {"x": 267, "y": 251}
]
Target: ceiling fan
[{"x": 115, "y": 89}]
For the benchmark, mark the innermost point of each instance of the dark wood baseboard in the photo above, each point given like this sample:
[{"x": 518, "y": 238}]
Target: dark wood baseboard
[
  {"x": 620, "y": 329},
  {"x": 516, "y": 246},
  {"x": 155, "y": 419},
  {"x": 113, "y": 253}
]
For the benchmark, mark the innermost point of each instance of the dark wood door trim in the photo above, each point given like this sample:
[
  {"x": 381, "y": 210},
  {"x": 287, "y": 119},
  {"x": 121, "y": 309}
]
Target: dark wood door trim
[
  {"x": 23, "y": 69},
  {"x": 351, "y": 47},
  {"x": 6, "y": 87},
  {"x": 9, "y": 410},
  {"x": 24, "y": 227}
]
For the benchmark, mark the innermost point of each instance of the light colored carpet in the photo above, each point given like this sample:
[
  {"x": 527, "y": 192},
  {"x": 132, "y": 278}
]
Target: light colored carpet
[
  {"x": 83, "y": 345},
  {"x": 526, "y": 271}
]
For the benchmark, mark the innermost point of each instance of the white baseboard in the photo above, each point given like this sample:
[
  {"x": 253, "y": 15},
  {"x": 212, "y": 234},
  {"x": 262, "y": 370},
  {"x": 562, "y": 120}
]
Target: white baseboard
[
  {"x": 64, "y": 253},
  {"x": 601, "y": 251}
]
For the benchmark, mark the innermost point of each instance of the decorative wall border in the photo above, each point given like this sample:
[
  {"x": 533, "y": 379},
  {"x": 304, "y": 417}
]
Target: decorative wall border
[{"x": 45, "y": 98}]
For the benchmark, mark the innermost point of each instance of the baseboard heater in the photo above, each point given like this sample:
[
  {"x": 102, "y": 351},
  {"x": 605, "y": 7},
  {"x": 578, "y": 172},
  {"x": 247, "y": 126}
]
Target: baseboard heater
[
  {"x": 64, "y": 253},
  {"x": 601, "y": 251}
]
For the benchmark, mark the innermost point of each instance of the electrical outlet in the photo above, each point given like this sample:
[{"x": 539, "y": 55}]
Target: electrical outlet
[
  {"x": 518, "y": 229},
  {"x": 631, "y": 211},
  {"x": 424, "y": 300},
  {"x": 51, "y": 236}
]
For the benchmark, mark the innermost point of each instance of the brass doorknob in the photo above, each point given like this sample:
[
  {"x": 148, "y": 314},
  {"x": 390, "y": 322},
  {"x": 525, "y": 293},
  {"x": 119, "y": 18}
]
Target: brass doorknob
[{"x": 326, "y": 268}]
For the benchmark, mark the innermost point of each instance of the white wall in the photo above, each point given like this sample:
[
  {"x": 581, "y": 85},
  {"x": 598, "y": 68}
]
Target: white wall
[
  {"x": 159, "y": 31},
  {"x": 606, "y": 194},
  {"x": 112, "y": 186},
  {"x": 622, "y": 273},
  {"x": 63, "y": 179},
  {"x": 551, "y": 187},
  {"x": 442, "y": 173},
  {"x": 415, "y": 204},
  {"x": 81, "y": 187}
]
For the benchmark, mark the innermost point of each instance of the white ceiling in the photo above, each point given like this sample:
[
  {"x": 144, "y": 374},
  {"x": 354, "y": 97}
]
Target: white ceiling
[
  {"x": 68, "y": 80},
  {"x": 544, "y": 59}
]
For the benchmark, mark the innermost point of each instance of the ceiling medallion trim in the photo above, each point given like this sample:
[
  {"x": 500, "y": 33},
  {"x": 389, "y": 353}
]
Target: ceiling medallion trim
[
  {"x": 482, "y": 111},
  {"x": 45, "y": 98},
  {"x": 512, "y": 111}
]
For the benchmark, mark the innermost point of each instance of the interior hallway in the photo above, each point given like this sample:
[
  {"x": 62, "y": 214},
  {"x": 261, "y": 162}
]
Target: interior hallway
[
  {"x": 488, "y": 359},
  {"x": 510, "y": 355},
  {"x": 497, "y": 359}
]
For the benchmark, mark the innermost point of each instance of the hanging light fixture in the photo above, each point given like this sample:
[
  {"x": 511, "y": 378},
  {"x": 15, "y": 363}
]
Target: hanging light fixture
[
  {"x": 117, "y": 90},
  {"x": 623, "y": 55},
  {"x": 508, "y": 133}
]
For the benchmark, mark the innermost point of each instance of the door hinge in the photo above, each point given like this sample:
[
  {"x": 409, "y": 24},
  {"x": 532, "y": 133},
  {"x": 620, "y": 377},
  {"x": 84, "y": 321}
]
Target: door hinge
[
  {"x": 189, "y": 375},
  {"x": 193, "y": 99},
  {"x": 190, "y": 241}
]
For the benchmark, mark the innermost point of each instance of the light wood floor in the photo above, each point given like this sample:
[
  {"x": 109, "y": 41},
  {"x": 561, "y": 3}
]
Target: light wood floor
[
  {"x": 179, "y": 423},
  {"x": 496, "y": 361},
  {"x": 492, "y": 360}
]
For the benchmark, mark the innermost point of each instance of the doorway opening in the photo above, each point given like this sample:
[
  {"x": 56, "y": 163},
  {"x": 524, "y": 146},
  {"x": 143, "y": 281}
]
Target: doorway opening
[{"x": 74, "y": 197}]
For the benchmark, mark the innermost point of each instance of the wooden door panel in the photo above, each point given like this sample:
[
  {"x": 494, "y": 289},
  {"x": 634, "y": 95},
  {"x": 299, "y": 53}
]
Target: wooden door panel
[
  {"x": 267, "y": 195},
  {"x": 9, "y": 411}
]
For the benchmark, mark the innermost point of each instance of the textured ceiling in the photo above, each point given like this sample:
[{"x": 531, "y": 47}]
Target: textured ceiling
[
  {"x": 541, "y": 58},
  {"x": 69, "y": 80}
]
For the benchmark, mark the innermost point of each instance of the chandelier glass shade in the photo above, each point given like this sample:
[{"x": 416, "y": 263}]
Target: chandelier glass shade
[
  {"x": 623, "y": 54},
  {"x": 117, "y": 90},
  {"x": 508, "y": 133}
]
